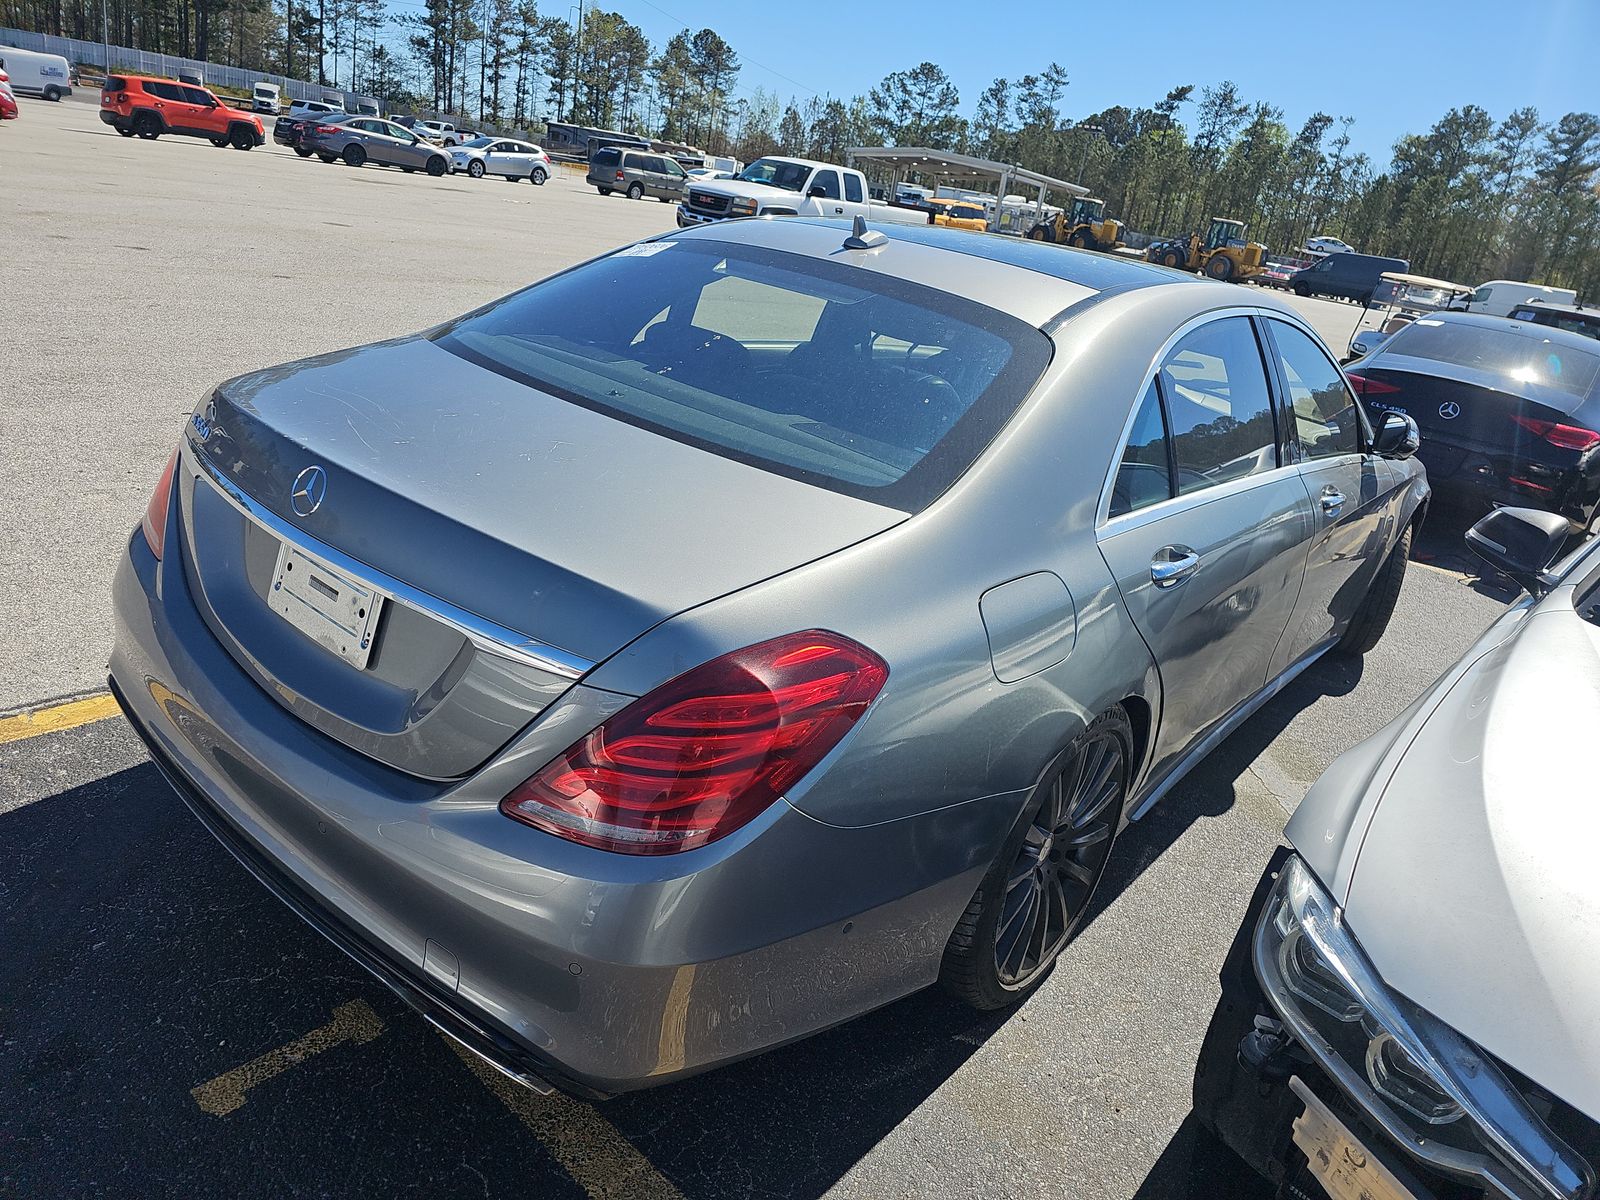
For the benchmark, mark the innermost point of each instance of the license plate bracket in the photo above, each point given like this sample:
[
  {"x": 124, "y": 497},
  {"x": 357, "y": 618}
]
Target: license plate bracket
[
  {"x": 338, "y": 612},
  {"x": 1346, "y": 1169}
]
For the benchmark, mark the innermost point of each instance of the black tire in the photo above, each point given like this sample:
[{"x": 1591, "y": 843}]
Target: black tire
[
  {"x": 1084, "y": 789},
  {"x": 243, "y": 139},
  {"x": 1084, "y": 240},
  {"x": 1372, "y": 618},
  {"x": 475, "y": 168},
  {"x": 1220, "y": 267},
  {"x": 148, "y": 126},
  {"x": 408, "y": 170},
  {"x": 328, "y": 158},
  {"x": 1043, "y": 233},
  {"x": 603, "y": 191},
  {"x": 438, "y": 165},
  {"x": 1174, "y": 258},
  {"x": 1302, "y": 288},
  {"x": 302, "y": 152},
  {"x": 354, "y": 156},
  {"x": 636, "y": 191},
  {"x": 52, "y": 93},
  {"x": 219, "y": 142},
  {"x": 124, "y": 131},
  {"x": 537, "y": 176}
]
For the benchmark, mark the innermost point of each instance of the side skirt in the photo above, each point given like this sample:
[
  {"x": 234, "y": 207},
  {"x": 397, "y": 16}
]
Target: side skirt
[{"x": 1227, "y": 725}]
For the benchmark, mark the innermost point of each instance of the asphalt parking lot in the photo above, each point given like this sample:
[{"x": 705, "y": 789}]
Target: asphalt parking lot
[{"x": 167, "y": 1028}]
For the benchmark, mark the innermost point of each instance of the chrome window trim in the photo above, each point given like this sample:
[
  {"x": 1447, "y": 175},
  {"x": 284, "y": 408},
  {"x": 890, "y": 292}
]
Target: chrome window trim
[
  {"x": 1105, "y": 525},
  {"x": 483, "y": 633}
]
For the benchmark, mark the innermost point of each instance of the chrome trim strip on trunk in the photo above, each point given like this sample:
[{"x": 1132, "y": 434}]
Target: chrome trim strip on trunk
[{"x": 483, "y": 633}]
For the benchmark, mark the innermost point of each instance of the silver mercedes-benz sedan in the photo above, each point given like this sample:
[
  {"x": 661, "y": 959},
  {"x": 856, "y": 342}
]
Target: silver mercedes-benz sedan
[
  {"x": 1409, "y": 1008},
  {"x": 744, "y": 629}
]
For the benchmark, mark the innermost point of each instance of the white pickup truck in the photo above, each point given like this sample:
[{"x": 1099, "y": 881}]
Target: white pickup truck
[{"x": 790, "y": 187}]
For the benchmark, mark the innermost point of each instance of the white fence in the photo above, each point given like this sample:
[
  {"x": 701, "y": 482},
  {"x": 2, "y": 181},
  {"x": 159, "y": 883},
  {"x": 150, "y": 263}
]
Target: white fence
[{"x": 144, "y": 62}]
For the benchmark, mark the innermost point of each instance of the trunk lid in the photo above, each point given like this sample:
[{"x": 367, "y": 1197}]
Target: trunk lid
[{"x": 489, "y": 505}]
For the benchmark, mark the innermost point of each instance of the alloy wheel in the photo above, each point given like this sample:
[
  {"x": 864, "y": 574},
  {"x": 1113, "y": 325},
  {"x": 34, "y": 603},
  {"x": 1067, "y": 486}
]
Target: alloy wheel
[{"x": 1061, "y": 859}]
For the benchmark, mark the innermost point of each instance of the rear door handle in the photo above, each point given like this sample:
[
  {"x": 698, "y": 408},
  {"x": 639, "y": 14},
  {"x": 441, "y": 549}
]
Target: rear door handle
[
  {"x": 1167, "y": 571},
  {"x": 1332, "y": 500}
]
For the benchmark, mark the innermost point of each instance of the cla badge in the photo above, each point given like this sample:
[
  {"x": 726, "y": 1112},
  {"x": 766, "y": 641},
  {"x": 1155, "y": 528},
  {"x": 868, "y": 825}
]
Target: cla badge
[
  {"x": 1449, "y": 410},
  {"x": 308, "y": 490}
]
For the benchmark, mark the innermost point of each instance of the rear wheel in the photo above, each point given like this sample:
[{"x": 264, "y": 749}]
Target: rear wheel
[
  {"x": 52, "y": 93},
  {"x": 408, "y": 170},
  {"x": 475, "y": 168},
  {"x": 124, "y": 131},
  {"x": 636, "y": 191},
  {"x": 1220, "y": 267},
  {"x": 438, "y": 165},
  {"x": 1172, "y": 258},
  {"x": 243, "y": 139},
  {"x": 1302, "y": 288},
  {"x": 1035, "y": 895},
  {"x": 302, "y": 152},
  {"x": 218, "y": 142},
  {"x": 1042, "y": 233},
  {"x": 148, "y": 126},
  {"x": 603, "y": 191},
  {"x": 1083, "y": 240},
  {"x": 1372, "y": 618},
  {"x": 354, "y": 155},
  {"x": 538, "y": 175}
]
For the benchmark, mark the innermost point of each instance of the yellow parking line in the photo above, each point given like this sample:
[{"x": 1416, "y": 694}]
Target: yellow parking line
[
  {"x": 352, "y": 1022},
  {"x": 589, "y": 1148},
  {"x": 57, "y": 717}
]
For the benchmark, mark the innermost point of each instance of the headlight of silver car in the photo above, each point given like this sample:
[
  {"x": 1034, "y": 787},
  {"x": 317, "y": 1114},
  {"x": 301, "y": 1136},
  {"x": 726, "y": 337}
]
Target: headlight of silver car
[{"x": 1428, "y": 1087}]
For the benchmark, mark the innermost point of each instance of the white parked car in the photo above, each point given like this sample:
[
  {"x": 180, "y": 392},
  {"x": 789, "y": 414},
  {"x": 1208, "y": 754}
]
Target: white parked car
[
  {"x": 789, "y": 187},
  {"x": 1329, "y": 245},
  {"x": 501, "y": 156},
  {"x": 703, "y": 173},
  {"x": 300, "y": 109}
]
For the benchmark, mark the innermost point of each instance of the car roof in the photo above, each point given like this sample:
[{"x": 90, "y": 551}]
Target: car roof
[
  {"x": 1034, "y": 281},
  {"x": 1567, "y": 310},
  {"x": 1527, "y": 329}
]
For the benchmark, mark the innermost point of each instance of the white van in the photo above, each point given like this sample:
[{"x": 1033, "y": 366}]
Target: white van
[
  {"x": 1499, "y": 296},
  {"x": 265, "y": 97},
  {"x": 33, "y": 74}
]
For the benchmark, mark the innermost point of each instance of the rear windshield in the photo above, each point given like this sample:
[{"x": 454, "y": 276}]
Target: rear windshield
[
  {"x": 843, "y": 378},
  {"x": 1513, "y": 354},
  {"x": 606, "y": 156}
]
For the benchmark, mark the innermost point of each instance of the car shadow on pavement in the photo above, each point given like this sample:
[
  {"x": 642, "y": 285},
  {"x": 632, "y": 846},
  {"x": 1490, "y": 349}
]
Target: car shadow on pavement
[{"x": 143, "y": 963}]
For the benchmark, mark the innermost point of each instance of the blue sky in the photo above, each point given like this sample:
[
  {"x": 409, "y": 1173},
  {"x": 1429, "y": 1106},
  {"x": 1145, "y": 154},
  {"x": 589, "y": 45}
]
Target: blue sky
[{"x": 1394, "y": 65}]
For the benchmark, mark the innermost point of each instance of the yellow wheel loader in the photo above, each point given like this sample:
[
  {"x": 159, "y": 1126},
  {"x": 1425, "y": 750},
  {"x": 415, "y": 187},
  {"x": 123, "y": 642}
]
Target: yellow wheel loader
[
  {"x": 1084, "y": 224},
  {"x": 1222, "y": 254}
]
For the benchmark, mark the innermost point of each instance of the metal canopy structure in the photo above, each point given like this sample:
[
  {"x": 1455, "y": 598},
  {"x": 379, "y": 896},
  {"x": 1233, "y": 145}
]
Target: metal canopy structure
[{"x": 946, "y": 164}]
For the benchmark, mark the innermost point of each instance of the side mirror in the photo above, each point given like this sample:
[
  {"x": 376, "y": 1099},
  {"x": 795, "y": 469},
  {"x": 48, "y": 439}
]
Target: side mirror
[
  {"x": 818, "y": 192},
  {"x": 1397, "y": 436},
  {"x": 1521, "y": 543}
]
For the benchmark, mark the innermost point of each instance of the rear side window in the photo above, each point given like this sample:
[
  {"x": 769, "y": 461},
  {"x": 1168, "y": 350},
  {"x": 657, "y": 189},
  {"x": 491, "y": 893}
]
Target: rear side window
[
  {"x": 1144, "y": 477},
  {"x": 198, "y": 96},
  {"x": 1517, "y": 353},
  {"x": 115, "y": 83},
  {"x": 1326, "y": 421},
  {"x": 163, "y": 90},
  {"x": 1219, "y": 410},
  {"x": 846, "y": 379},
  {"x": 634, "y": 162},
  {"x": 852, "y": 188}
]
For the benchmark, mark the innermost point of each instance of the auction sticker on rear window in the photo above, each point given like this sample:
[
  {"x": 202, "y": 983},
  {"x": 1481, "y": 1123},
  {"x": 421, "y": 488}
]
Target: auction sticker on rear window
[
  {"x": 643, "y": 250},
  {"x": 337, "y": 612}
]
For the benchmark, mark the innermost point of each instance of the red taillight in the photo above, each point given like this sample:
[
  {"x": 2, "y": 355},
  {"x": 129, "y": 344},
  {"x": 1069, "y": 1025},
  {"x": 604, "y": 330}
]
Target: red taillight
[
  {"x": 155, "y": 513},
  {"x": 1568, "y": 437},
  {"x": 1369, "y": 387},
  {"x": 326, "y": 129},
  {"x": 706, "y": 752},
  {"x": 620, "y": 177}
]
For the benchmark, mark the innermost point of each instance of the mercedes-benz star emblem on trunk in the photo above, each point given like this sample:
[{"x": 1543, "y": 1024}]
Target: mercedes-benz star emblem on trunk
[{"x": 309, "y": 488}]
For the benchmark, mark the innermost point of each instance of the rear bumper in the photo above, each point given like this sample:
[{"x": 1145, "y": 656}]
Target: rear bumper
[
  {"x": 1490, "y": 481},
  {"x": 109, "y": 116},
  {"x": 601, "y": 973}
]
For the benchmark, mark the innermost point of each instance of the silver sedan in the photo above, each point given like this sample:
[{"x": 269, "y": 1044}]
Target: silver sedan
[
  {"x": 359, "y": 140},
  {"x": 748, "y": 627},
  {"x": 505, "y": 157}
]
